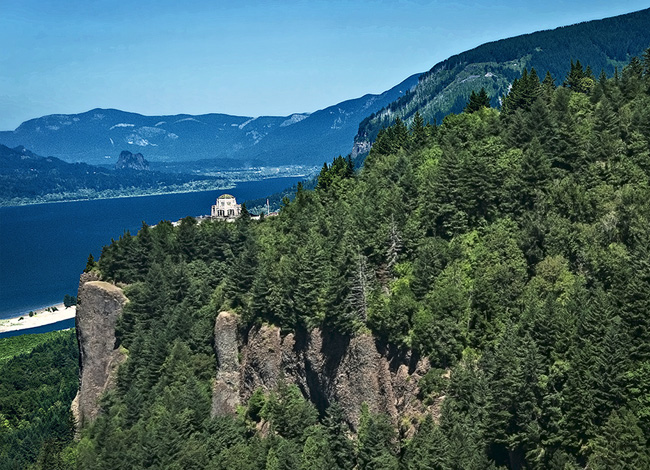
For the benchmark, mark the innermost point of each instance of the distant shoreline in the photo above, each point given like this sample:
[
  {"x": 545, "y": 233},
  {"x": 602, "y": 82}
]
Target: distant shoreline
[
  {"x": 100, "y": 198},
  {"x": 164, "y": 193},
  {"x": 41, "y": 317}
]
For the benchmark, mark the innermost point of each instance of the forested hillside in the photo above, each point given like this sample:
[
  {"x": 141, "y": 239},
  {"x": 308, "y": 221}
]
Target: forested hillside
[
  {"x": 510, "y": 248},
  {"x": 38, "y": 380},
  {"x": 494, "y": 65}
]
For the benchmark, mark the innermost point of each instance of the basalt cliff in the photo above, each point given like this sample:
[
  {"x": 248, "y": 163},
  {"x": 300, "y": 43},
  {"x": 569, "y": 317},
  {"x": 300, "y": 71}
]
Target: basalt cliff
[
  {"x": 325, "y": 366},
  {"x": 99, "y": 306}
]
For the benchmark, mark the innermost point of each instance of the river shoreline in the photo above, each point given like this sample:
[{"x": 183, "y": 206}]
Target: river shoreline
[
  {"x": 42, "y": 316},
  {"x": 44, "y": 247},
  {"x": 228, "y": 186},
  {"x": 120, "y": 196}
]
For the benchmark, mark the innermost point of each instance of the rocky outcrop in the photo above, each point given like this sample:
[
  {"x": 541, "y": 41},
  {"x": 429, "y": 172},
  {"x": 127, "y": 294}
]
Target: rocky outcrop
[
  {"x": 360, "y": 147},
  {"x": 327, "y": 367},
  {"x": 129, "y": 161},
  {"x": 225, "y": 392},
  {"x": 99, "y": 306}
]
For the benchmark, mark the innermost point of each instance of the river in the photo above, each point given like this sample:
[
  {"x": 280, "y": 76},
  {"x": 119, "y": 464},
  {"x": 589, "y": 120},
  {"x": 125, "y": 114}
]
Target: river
[{"x": 44, "y": 247}]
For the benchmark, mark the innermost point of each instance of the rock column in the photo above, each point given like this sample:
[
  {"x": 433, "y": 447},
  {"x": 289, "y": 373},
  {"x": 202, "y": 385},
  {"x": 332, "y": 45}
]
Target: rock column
[
  {"x": 225, "y": 393},
  {"x": 99, "y": 306}
]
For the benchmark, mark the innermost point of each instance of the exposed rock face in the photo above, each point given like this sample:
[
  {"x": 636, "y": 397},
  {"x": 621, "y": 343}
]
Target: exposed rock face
[
  {"x": 128, "y": 161},
  {"x": 326, "y": 367},
  {"x": 359, "y": 147},
  {"x": 87, "y": 277},
  {"x": 262, "y": 360},
  {"x": 99, "y": 306},
  {"x": 225, "y": 393}
]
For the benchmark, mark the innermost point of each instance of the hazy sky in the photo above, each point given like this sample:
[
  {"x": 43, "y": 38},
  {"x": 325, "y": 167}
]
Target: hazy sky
[{"x": 243, "y": 57}]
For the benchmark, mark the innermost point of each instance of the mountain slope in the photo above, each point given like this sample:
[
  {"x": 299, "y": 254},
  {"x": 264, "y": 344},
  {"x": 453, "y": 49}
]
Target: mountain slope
[
  {"x": 97, "y": 135},
  {"x": 28, "y": 178},
  {"x": 484, "y": 281},
  {"x": 603, "y": 44}
]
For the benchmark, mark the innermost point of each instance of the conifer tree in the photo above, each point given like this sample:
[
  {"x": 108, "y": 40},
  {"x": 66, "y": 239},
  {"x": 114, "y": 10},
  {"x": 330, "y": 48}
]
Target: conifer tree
[
  {"x": 90, "y": 264},
  {"x": 548, "y": 86},
  {"x": 621, "y": 445},
  {"x": 244, "y": 214},
  {"x": 419, "y": 135},
  {"x": 428, "y": 450},
  {"x": 646, "y": 62},
  {"x": 316, "y": 454},
  {"x": 523, "y": 93},
  {"x": 579, "y": 79},
  {"x": 477, "y": 101},
  {"x": 324, "y": 178},
  {"x": 376, "y": 442},
  {"x": 340, "y": 444},
  {"x": 400, "y": 134}
]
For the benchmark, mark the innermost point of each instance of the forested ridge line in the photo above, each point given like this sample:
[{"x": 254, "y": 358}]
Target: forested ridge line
[
  {"x": 509, "y": 247},
  {"x": 446, "y": 87}
]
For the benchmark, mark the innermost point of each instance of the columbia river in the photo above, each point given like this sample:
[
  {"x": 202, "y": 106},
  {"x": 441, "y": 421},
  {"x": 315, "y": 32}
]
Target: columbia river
[{"x": 44, "y": 247}]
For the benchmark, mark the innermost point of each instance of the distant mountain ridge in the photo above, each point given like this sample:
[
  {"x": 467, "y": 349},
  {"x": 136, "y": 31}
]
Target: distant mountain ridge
[
  {"x": 603, "y": 44},
  {"x": 27, "y": 178},
  {"x": 97, "y": 135},
  {"x": 225, "y": 141}
]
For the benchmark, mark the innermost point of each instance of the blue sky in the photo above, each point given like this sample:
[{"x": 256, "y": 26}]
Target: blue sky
[{"x": 248, "y": 57}]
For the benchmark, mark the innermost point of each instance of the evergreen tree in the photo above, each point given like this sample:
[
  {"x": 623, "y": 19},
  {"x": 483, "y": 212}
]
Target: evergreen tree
[
  {"x": 90, "y": 264},
  {"x": 428, "y": 450},
  {"x": 340, "y": 444},
  {"x": 477, "y": 101},
  {"x": 548, "y": 86},
  {"x": 419, "y": 134},
  {"x": 646, "y": 62},
  {"x": 621, "y": 445},
  {"x": 523, "y": 93},
  {"x": 579, "y": 79},
  {"x": 376, "y": 442}
]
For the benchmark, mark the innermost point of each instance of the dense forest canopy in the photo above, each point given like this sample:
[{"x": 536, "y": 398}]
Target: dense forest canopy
[
  {"x": 39, "y": 378},
  {"x": 511, "y": 248}
]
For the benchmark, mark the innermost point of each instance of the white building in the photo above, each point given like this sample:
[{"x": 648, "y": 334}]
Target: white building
[{"x": 226, "y": 208}]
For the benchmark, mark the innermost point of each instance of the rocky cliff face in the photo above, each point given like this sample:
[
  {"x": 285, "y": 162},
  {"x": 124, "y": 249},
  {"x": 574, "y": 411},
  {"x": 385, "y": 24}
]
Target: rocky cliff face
[
  {"x": 360, "y": 147},
  {"x": 225, "y": 393},
  {"x": 325, "y": 366},
  {"x": 129, "y": 161},
  {"x": 99, "y": 306}
]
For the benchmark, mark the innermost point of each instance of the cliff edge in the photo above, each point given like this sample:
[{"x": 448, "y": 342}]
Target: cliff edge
[
  {"x": 326, "y": 367},
  {"x": 99, "y": 306}
]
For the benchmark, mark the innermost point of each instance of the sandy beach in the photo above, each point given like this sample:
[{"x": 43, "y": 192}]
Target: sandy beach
[{"x": 41, "y": 317}]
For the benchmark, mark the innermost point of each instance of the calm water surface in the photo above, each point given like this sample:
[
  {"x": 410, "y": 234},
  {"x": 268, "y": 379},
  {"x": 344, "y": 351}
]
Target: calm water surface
[
  {"x": 60, "y": 325},
  {"x": 44, "y": 247}
]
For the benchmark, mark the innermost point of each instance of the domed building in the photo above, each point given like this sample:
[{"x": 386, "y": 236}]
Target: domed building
[{"x": 226, "y": 208}]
